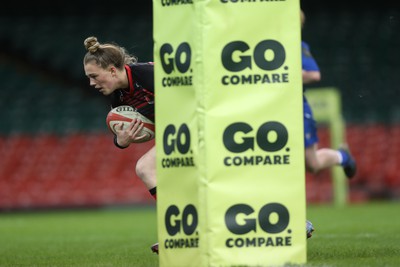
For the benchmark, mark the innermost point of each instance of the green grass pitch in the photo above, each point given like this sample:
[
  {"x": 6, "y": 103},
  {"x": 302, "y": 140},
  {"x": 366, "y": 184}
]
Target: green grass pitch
[{"x": 357, "y": 235}]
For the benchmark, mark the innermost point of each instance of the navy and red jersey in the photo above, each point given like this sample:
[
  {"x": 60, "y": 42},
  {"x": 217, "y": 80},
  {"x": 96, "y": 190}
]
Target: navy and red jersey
[{"x": 140, "y": 94}]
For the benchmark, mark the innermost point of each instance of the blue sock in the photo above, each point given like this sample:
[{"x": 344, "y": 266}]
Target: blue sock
[{"x": 345, "y": 157}]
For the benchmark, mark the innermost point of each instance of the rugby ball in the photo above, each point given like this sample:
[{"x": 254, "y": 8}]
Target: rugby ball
[{"x": 125, "y": 115}]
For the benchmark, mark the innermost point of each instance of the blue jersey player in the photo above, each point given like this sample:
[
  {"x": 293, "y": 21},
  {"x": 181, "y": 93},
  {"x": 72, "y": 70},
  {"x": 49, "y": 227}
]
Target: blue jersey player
[{"x": 318, "y": 158}]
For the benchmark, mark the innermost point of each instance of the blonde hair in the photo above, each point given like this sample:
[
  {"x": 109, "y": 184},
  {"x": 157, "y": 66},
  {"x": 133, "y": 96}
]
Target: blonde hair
[{"x": 106, "y": 54}]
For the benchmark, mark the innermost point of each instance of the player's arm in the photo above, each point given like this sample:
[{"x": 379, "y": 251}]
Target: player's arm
[
  {"x": 116, "y": 143},
  {"x": 312, "y": 76},
  {"x": 124, "y": 137},
  {"x": 311, "y": 71}
]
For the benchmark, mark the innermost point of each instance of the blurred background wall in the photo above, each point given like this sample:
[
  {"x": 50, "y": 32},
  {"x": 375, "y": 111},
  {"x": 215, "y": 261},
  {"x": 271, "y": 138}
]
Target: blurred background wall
[{"x": 55, "y": 149}]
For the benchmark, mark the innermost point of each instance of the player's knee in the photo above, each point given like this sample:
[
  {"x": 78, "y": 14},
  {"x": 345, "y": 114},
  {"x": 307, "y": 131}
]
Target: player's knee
[
  {"x": 145, "y": 168},
  {"x": 141, "y": 169}
]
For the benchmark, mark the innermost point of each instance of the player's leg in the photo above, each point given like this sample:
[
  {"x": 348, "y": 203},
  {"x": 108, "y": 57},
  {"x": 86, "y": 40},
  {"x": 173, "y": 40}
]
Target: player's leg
[
  {"x": 319, "y": 159},
  {"x": 146, "y": 171},
  {"x": 315, "y": 159}
]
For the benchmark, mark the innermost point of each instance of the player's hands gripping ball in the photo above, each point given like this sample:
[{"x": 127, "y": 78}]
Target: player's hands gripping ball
[{"x": 124, "y": 120}]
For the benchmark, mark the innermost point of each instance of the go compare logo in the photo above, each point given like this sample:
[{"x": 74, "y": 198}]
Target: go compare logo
[
  {"x": 268, "y": 225},
  {"x": 177, "y": 147},
  {"x": 176, "y": 63},
  {"x": 270, "y": 137},
  {"x": 268, "y": 56},
  {"x": 263, "y": 228}
]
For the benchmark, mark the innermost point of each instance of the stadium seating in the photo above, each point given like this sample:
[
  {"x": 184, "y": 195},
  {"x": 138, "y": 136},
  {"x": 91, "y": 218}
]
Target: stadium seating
[
  {"x": 74, "y": 170},
  {"x": 86, "y": 169},
  {"x": 58, "y": 152}
]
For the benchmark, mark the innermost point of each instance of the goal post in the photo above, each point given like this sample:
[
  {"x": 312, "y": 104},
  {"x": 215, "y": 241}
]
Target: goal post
[
  {"x": 229, "y": 133},
  {"x": 326, "y": 105}
]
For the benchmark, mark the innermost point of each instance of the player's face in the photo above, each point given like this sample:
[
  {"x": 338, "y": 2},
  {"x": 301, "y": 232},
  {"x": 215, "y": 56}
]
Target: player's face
[{"x": 101, "y": 79}]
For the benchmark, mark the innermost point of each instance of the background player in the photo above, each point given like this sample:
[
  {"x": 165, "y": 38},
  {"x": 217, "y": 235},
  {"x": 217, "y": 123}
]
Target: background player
[{"x": 319, "y": 159}]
